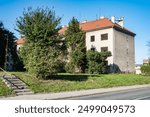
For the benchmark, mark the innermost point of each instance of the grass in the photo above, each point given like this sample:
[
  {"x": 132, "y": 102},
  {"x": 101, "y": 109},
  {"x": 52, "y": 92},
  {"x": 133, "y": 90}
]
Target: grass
[
  {"x": 4, "y": 90},
  {"x": 70, "y": 82}
]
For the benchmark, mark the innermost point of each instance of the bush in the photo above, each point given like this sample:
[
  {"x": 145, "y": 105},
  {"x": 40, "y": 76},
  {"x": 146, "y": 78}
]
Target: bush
[
  {"x": 97, "y": 61},
  {"x": 145, "y": 69}
]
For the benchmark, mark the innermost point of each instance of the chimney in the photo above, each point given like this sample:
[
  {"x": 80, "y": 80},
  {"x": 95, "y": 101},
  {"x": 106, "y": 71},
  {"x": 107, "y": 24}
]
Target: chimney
[
  {"x": 102, "y": 17},
  {"x": 64, "y": 26},
  {"x": 120, "y": 22},
  {"x": 113, "y": 19},
  {"x": 84, "y": 21}
]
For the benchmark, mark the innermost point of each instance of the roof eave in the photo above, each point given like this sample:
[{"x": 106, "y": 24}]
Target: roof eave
[{"x": 124, "y": 31}]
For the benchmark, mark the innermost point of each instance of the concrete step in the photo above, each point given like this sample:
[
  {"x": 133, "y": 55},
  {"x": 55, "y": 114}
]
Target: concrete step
[
  {"x": 22, "y": 90},
  {"x": 17, "y": 85},
  {"x": 24, "y": 93},
  {"x": 14, "y": 87},
  {"x": 13, "y": 81}
]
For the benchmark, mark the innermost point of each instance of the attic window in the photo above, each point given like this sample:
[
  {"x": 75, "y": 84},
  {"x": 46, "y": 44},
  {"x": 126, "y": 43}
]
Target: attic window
[{"x": 97, "y": 24}]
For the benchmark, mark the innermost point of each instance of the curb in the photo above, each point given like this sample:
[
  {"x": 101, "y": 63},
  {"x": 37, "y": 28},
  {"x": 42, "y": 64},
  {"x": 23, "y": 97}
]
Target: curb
[{"x": 72, "y": 94}]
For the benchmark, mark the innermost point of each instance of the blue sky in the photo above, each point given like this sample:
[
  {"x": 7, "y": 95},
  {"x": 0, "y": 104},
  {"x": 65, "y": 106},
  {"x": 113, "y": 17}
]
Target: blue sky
[{"x": 136, "y": 15}]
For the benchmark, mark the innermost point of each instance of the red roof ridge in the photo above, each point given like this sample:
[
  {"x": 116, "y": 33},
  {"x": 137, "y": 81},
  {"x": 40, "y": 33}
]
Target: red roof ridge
[{"x": 20, "y": 40}]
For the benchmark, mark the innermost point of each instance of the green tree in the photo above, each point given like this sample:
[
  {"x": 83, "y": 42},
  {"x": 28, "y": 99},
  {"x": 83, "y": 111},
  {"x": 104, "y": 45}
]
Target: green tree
[
  {"x": 75, "y": 39},
  {"x": 43, "y": 48},
  {"x": 8, "y": 55},
  {"x": 97, "y": 61}
]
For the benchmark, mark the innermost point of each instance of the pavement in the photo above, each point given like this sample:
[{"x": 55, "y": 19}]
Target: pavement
[{"x": 72, "y": 94}]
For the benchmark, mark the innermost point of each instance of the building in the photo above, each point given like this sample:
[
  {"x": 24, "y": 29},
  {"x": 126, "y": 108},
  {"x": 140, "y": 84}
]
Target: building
[
  {"x": 146, "y": 61},
  {"x": 108, "y": 35},
  {"x": 19, "y": 43},
  {"x": 138, "y": 68}
]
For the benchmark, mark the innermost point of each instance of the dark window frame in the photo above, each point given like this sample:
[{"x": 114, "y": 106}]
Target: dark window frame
[
  {"x": 92, "y": 38},
  {"x": 93, "y": 49},
  {"x": 104, "y": 36},
  {"x": 104, "y": 49}
]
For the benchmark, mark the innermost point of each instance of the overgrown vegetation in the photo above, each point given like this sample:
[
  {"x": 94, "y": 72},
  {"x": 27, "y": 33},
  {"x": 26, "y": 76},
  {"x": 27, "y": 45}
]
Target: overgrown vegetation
[
  {"x": 145, "y": 69},
  {"x": 8, "y": 55},
  {"x": 97, "y": 62},
  {"x": 4, "y": 90},
  {"x": 75, "y": 41},
  {"x": 43, "y": 50},
  {"x": 72, "y": 82}
]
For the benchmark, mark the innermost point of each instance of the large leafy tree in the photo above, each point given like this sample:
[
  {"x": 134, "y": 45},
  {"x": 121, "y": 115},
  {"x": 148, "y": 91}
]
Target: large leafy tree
[
  {"x": 8, "y": 56},
  {"x": 75, "y": 39},
  {"x": 43, "y": 48}
]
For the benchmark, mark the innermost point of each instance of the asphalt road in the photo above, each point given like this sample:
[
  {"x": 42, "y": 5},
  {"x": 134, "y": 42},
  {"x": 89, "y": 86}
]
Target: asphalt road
[{"x": 132, "y": 94}]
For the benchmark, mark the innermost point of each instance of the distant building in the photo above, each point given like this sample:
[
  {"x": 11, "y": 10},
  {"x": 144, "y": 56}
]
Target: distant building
[
  {"x": 19, "y": 43},
  {"x": 138, "y": 68},
  {"x": 146, "y": 61},
  {"x": 107, "y": 35}
]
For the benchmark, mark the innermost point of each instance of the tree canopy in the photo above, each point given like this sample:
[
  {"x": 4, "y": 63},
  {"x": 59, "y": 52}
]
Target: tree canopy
[
  {"x": 97, "y": 61},
  {"x": 43, "y": 48},
  {"x": 8, "y": 56},
  {"x": 75, "y": 39}
]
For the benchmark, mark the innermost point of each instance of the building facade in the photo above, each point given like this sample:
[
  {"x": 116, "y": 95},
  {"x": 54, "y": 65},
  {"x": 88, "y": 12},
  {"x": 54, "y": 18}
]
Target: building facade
[
  {"x": 19, "y": 43},
  {"x": 107, "y": 35}
]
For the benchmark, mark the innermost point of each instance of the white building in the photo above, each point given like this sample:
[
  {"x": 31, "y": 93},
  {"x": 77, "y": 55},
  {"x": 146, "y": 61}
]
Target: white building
[
  {"x": 107, "y": 35},
  {"x": 19, "y": 43}
]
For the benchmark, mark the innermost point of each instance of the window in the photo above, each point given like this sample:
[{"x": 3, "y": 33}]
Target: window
[
  {"x": 104, "y": 49},
  {"x": 93, "y": 49},
  {"x": 104, "y": 36},
  {"x": 127, "y": 51},
  {"x": 92, "y": 38},
  {"x": 106, "y": 63}
]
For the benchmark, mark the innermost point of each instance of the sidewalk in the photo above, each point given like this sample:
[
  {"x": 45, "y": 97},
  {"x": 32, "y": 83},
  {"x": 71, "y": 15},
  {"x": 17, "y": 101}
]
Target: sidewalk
[{"x": 65, "y": 95}]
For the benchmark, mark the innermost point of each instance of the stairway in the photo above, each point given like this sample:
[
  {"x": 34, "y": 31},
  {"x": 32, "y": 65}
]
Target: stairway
[{"x": 16, "y": 84}]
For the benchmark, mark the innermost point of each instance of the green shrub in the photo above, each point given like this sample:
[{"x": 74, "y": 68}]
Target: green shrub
[
  {"x": 97, "y": 61},
  {"x": 145, "y": 69}
]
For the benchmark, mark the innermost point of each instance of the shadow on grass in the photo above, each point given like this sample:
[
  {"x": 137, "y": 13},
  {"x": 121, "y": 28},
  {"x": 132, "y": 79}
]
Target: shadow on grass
[{"x": 72, "y": 77}]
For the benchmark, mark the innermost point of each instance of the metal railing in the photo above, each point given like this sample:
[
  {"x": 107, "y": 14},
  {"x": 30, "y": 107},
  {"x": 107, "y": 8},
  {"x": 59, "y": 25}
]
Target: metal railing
[{"x": 11, "y": 76}]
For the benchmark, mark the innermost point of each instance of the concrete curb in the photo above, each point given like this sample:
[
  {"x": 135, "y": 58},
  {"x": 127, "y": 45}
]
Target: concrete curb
[{"x": 65, "y": 95}]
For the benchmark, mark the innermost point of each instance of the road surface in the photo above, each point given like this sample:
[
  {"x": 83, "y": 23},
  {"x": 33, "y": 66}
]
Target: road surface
[{"x": 132, "y": 94}]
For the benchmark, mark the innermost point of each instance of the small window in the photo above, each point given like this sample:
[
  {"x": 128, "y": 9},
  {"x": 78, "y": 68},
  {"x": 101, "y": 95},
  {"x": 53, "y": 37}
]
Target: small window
[
  {"x": 92, "y": 38},
  {"x": 127, "y": 51},
  {"x": 104, "y": 36},
  {"x": 104, "y": 49},
  {"x": 93, "y": 49},
  {"x": 106, "y": 63}
]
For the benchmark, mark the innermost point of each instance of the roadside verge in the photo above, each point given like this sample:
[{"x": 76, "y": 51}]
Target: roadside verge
[{"x": 71, "y": 94}]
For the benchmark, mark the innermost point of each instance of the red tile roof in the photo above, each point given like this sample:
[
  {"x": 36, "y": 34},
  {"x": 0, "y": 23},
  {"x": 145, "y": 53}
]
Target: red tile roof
[
  {"x": 100, "y": 24},
  {"x": 92, "y": 25},
  {"x": 146, "y": 61},
  {"x": 20, "y": 41}
]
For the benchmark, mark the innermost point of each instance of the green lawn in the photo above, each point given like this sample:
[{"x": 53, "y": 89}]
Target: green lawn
[
  {"x": 69, "y": 82},
  {"x": 4, "y": 90}
]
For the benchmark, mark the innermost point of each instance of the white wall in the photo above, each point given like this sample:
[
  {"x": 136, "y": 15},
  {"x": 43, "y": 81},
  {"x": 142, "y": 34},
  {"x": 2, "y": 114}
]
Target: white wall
[
  {"x": 120, "y": 45},
  {"x": 98, "y": 43}
]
